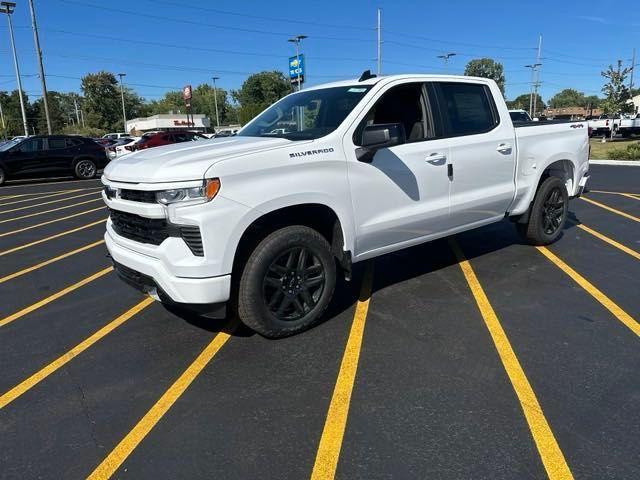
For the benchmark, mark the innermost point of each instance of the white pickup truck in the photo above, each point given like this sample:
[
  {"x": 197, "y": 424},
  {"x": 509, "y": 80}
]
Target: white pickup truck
[
  {"x": 603, "y": 125},
  {"x": 629, "y": 125},
  {"x": 327, "y": 177}
]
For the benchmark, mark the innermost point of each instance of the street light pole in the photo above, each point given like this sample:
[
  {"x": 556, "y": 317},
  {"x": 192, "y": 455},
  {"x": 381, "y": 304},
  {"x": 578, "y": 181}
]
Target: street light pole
[
  {"x": 297, "y": 39},
  {"x": 124, "y": 114},
  {"x": 43, "y": 81},
  {"x": 7, "y": 7},
  {"x": 446, "y": 58},
  {"x": 215, "y": 100}
]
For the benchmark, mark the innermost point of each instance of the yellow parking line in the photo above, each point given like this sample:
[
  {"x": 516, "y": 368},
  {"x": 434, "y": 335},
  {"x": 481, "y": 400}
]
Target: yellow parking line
[
  {"x": 49, "y": 211},
  {"x": 605, "y": 301},
  {"x": 613, "y": 210},
  {"x": 56, "y": 194},
  {"x": 55, "y": 296},
  {"x": 59, "y": 362},
  {"x": 26, "y": 207},
  {"x": 48, "y": 222},
  {"x": 624, "y": 194},
  {"x": 550, "y": 453},
  {"x": 24, "y": 185},
  {"x": 336, "y": 421},
  {"x": 608, "y": 240},
  {"x": 129, "y": 443},
  {"x": 51, "y": 237},
  {"x": 24, "y": 271}
]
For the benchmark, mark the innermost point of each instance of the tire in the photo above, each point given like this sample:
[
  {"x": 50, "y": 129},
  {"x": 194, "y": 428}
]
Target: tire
[
  {"x": 85, "y": 169},
  {"x": 3, "y": 176},
  {"x": 287, "y": 282},
  {"x": 548, "y": 213}
]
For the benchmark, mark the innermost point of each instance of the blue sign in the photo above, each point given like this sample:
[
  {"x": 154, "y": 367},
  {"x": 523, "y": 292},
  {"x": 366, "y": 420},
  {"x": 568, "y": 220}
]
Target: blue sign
[{"x": 296, "y": 68}]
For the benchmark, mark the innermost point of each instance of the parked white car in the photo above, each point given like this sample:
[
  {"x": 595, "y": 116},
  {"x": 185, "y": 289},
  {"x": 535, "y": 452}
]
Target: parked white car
[
  {"x": 375, "y": 165},
  {"x": 116, "y": 136}
]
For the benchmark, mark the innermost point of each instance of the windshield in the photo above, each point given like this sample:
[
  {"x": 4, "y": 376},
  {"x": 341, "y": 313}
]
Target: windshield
[
  {"x": 6, "y": 146},
  {"x": 306, "y": 115}
]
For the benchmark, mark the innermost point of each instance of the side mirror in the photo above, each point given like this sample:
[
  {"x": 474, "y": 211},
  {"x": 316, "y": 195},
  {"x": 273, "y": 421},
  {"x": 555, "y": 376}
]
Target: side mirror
[{"x": 377, "y": 136}]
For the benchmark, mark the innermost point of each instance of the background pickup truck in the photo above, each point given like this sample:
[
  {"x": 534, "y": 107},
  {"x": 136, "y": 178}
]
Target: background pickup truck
[
  {"x": 330, "y": 176},
  {"x": 603, "y": 125},
  {"x": 629, "y": 125}
]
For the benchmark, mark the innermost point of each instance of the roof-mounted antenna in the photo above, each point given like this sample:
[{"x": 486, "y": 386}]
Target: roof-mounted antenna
[{"x": 366, "y": 75}]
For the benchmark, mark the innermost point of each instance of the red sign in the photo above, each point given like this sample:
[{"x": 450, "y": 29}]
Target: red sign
[
  {"x": 178, "y": 123},
  {"x": 186, "y": 92}
]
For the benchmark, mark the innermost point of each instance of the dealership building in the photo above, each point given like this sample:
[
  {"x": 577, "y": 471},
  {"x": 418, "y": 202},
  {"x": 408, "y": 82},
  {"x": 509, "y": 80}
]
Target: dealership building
[{"x": 170, "y": 121}]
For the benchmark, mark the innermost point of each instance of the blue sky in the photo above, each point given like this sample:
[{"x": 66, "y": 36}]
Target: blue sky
[{"x": 231, "y": 38}]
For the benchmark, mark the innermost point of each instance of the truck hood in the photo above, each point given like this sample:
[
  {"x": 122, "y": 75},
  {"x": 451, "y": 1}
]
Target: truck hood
[{"x": 184, "y": 161}]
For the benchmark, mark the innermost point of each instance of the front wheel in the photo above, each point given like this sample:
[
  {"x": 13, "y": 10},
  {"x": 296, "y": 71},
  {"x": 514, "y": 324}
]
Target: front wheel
[
  {"x": 548, "y": 213},
  {"x": 85, "y": 169},
  {"x": 287, "y": 282},
  {"x": 3, "y": 176}
]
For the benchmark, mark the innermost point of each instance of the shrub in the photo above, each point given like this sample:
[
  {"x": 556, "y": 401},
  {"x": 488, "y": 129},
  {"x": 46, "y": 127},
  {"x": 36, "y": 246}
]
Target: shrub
[{"x": 631, "y": 152}]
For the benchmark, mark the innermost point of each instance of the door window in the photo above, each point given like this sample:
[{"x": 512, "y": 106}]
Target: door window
[
  {"x": 32, "y": 145},
  {"x": 468, "y": 108},
  {"x": 402, "y": 104},
  {"x": 57, "y": 143}
]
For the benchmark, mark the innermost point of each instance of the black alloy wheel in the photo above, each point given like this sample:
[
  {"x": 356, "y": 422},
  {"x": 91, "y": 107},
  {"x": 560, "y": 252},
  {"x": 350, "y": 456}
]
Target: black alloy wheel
[
  {"x": 293, "y": 284},
  {"x": 553, "y": 211}
]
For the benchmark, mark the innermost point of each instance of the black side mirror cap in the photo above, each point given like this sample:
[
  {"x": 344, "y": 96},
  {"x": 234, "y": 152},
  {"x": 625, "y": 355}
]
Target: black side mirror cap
[{"x": 377, "y": 136}]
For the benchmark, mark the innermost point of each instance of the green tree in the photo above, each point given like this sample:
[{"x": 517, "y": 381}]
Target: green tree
[
  {"x": 258, "y": 92},
  {"x": 616, "y": 92},
  {"x": 13, "y": 113},
  {"x": 486, "y": 68},
  {"x": 568, "y": 97},
  {"x": 521, "y": 102},
  {"x": 102, "y": 102},
  {"x": 56, "y": 113}
]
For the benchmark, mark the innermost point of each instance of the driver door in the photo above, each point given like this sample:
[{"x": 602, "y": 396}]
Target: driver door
[
  {"x": 401, "y": 196},
  {"x": 26, "y": 157}
]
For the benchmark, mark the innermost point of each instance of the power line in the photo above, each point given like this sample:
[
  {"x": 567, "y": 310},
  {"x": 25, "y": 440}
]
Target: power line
[
  {"x": 440, "y": 50},
  {"x": 259, "y": 17},
  {"x": 148, "y": 15},
  {"x": 192, "y": 47},
  {"x": 448, "y": 42}
]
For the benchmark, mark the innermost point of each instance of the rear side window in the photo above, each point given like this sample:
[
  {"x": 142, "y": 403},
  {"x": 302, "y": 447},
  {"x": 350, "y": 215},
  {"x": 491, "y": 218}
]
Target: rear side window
[
  {"x": 467, "y": 108},
  {"x": 72, "y": 142},
  {"x": 57, "y": 143}
]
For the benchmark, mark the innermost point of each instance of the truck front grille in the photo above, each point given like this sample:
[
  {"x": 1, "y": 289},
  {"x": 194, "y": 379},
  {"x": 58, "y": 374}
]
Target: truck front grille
[
  {"x": 154, "y": 231},
  {"x": 138, "y": 195}
]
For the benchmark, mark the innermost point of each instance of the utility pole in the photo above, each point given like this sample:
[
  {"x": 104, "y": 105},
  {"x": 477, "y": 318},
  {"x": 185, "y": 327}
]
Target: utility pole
[
  {"x": 75, "y": 104},
  {"x": 215, "y": 100},
  {"x": 633, "y": 68},
  {"x": 4, "y": 127},
  {"x": 7, "y": 8},
  {"x": 446, "y": 58},
  {"x": 537, "y": 80},
  {"x": 533, "y": 68},
  {"x": 124, "y": 114},
  {"x": 43, "y": 81},
  {"x": 379, "y": 28}
]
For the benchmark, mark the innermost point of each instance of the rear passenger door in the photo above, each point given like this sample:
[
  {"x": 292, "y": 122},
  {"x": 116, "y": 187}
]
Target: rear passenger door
[
  {"x": 482, "y": 151},
  {"x": 56, "y": 155}
]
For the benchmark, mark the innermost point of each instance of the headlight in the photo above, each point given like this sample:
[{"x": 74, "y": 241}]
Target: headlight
[{"x": 205, "y": 193}]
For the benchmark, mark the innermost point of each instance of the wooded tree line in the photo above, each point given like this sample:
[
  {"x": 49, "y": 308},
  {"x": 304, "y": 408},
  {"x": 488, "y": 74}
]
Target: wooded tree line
[{"x": 99, "y": 106}]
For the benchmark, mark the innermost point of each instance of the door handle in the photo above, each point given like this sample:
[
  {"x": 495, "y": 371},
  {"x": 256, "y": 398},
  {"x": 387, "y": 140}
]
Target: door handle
[
  {"x": 437, "y": 159},
  {"x": 504, "y": 148}
]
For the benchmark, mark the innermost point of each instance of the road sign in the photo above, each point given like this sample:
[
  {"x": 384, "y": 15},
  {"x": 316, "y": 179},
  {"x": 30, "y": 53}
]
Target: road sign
[
  {"x": 186, "y": 93},
  {"x": 296, "y": 68}
]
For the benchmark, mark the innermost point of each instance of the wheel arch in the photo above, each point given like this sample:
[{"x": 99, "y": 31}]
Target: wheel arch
[{"x": 318, "y": 216}]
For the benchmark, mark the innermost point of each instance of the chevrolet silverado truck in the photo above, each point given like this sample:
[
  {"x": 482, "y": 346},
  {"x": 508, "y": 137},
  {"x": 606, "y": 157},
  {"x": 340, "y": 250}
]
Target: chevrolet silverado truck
[
  {"x": 263, "y": 222},
  {"x": 629, "y": 125}
]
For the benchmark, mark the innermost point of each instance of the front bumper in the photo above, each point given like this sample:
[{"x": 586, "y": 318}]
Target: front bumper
[{"x": 150, "y": 275}]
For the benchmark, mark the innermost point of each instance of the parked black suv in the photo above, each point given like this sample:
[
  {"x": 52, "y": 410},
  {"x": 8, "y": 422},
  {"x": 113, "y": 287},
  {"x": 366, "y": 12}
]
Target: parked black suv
[{"x": 51, "y": 154}]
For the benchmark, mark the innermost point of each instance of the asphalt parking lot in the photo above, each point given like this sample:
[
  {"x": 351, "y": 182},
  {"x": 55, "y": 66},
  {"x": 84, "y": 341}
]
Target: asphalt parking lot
[{"x": 473, "y": 357}]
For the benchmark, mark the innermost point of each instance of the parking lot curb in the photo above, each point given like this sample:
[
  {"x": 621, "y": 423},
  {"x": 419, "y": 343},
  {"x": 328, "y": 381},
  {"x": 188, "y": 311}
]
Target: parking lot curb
[{"x": 629, "y": 163}]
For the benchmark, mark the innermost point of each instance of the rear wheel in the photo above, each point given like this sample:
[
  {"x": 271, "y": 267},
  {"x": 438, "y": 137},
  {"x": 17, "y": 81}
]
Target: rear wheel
[
  {"x": 85, "y": 169},
  {"x": 287, "y": 282},
  {"x": 548, "y": 213}
]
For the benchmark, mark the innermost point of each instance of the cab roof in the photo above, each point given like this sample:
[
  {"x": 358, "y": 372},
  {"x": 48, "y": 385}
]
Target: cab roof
[{"x": 386, "y": 78}]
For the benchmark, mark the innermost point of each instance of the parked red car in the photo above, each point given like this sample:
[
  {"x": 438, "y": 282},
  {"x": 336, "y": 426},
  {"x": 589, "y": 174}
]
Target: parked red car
[{"x": 157, "y": 139}]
